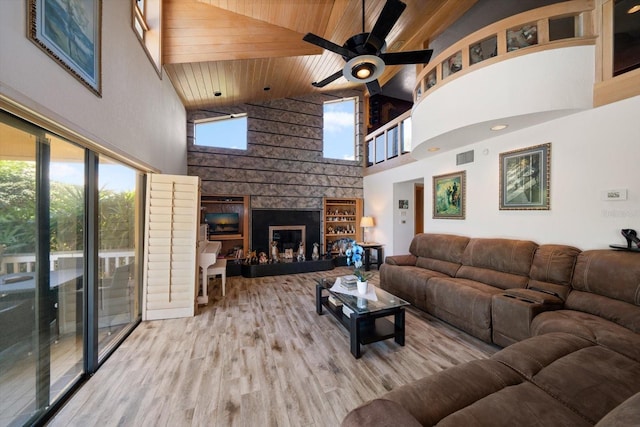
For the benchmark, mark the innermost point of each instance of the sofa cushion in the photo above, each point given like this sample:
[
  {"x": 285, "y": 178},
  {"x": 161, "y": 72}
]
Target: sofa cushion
[
  {"x": 464, "y": 303},
  {"x": 613, "y": 274},
  {"x": 406, "y": 282},
  {"x": 445, "y": 247},
  {"x": 590, "y": 327},
  {"x": 574, "y": 370},
  {"x": 552, "y": 269},
  {"x": 503, "y": 263},
  {"x": 519, "y": 405},
  {"x": 436, "y": 396},
  {"x": 626, "y": 414}
]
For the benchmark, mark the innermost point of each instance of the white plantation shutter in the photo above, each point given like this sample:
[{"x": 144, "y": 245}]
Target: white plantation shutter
[{"x": 172, "y": 218}]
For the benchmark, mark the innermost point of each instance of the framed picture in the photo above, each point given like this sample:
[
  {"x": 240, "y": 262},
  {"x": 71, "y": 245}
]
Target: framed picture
[
  {"x": 524, "y": 178},
  {"x": 69, "y": 32},
  {"x": 449, "y": 196},
  {"x": 403, "y": 204}
]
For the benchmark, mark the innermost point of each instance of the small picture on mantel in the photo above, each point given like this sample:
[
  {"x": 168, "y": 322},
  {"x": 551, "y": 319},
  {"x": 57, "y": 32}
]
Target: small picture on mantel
[{"x": 403, "y": 204}]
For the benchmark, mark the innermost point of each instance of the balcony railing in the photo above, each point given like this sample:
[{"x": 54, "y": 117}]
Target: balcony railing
[{"x": 560, "y": 25}]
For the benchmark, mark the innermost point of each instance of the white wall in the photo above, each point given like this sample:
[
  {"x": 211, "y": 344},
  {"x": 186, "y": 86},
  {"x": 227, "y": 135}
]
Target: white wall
[
  {"x": 591, "y": 151},
  {"x": 139, "y": 114}
]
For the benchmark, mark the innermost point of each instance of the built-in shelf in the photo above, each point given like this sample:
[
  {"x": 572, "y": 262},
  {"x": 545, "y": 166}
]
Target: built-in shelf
[{"x": 341, "y": 221}]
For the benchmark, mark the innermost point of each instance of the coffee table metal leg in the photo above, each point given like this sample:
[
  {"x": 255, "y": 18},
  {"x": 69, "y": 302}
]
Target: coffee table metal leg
[
  {"x": 354, "y": 333},
  {"x": 399, "y": 326}
]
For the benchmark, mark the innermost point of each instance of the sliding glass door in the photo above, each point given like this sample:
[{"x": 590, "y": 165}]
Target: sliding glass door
[{"x": 70, "y": 227}]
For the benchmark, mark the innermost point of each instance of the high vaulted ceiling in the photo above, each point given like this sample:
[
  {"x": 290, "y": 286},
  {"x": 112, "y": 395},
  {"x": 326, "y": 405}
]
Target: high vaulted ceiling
[{"x": 240, "y": 47}]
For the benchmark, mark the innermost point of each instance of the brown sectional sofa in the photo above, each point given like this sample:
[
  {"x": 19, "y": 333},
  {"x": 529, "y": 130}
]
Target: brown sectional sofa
[{"x": 569, "y": 319}]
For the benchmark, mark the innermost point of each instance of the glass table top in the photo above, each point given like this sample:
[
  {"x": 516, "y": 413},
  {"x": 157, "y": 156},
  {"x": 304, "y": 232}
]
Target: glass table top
[{"x": 375, "y": 299}]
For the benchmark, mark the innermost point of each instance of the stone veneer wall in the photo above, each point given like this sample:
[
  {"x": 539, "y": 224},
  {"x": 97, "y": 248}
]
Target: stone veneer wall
[{"x": 283, "y": 166}]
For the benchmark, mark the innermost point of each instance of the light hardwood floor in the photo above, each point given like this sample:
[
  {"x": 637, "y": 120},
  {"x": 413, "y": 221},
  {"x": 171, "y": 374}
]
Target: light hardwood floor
[{"x": 261, "y": 356}]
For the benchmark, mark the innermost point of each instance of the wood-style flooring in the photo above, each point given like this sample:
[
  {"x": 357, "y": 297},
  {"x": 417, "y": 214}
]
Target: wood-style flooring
[{"x": 261, "y": 356}]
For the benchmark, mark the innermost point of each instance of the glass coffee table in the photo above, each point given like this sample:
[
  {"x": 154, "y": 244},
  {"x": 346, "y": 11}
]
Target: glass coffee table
[{"x": 366, "y": 319}]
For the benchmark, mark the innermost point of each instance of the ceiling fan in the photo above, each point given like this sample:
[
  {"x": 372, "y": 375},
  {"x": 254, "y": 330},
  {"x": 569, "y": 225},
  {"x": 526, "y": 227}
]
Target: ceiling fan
[{"x": 364, "y": 53}]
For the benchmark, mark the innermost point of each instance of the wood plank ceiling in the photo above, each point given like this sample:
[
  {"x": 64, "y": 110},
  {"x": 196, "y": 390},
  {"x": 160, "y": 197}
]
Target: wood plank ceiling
[{"x": 240, "y": 47}]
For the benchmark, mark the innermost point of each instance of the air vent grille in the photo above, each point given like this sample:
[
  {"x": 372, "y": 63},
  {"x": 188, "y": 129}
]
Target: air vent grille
[{"x": 466, "y": 157}]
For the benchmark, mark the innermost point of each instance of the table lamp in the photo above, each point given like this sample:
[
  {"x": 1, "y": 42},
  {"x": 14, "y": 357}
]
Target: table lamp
[{"x": 366, "y": 222}]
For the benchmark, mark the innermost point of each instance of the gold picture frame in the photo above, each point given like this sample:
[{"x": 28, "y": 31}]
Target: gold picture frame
[{"x": 449, "y": 195}]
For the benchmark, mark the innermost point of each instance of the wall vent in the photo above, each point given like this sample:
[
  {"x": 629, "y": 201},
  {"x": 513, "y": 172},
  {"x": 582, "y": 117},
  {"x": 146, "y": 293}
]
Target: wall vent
[{"x": 466, "y": 157}]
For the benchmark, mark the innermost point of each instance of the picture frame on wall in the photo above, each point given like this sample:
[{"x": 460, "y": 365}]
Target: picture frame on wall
[
  {"x": 70, "y": 33},
  {"x": 403, "y": 204},
  {"x": 525, "y": 178},
  {"x": 449, "y": 195}
]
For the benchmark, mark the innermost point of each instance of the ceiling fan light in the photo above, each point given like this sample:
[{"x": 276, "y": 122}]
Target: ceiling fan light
[{"x": 363, "y": 70}]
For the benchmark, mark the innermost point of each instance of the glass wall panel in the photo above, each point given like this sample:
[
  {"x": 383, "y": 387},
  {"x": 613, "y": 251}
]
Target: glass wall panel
[
  {"x": 392, "y": 142},
  {"x": 380, "y": 148},
  {"x": 118, "y": 241},
  {"x": 485, "y": 49},
  {"x": 562, "y": 28},
  {"x": 524, "y": 36},
  {"x": 452, "y": 64},
  {"x": 67, "y": 215},
  {"x": 18, "y": 355},
  {"x": 406, "y": 135},
  {"x": 370, "y": 153}
]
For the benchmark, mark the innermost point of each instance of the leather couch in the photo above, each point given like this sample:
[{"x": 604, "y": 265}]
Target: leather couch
[{"x": 569, "y": 319}]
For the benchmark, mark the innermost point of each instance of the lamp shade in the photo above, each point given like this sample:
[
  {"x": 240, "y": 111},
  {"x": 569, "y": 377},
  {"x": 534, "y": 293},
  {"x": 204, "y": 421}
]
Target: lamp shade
[{"x": 366, "y": 221}]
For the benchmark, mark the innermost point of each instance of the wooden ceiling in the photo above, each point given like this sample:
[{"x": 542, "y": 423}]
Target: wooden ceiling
[{"x": 240, "y": 47}]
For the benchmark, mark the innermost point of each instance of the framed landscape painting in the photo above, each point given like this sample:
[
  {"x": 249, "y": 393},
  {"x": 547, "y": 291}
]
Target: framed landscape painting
[
  {"x": 69, "y": 32},
  {"x": 525, "y": 178},
  {"x": 449, "y": 195}
]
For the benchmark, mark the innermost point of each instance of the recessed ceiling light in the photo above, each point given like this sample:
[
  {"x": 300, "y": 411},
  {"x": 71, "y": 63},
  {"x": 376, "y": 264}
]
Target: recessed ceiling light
[
  {"x": 432, "y": 149},
  {"x": 499, "y": 127},
  {"x": 217, "y": 93},
  {"x": 634, "y": 9},
  {"x": 266, "y": 88}
]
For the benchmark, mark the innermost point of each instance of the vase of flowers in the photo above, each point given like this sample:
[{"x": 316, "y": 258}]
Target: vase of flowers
[{"x": 354, "y": 253}]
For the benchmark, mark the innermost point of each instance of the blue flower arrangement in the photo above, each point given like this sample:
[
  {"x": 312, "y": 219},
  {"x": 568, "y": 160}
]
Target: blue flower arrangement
[{"x": 355, "y": 254}]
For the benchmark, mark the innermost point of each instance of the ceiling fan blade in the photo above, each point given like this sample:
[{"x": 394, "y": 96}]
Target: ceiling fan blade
[
  {"x": 328, "y": 80},
  {"x": 387, "y": 19},
  {"x": 411, "y": 57},
  {"x": 326, "y": 44},
  {"x": 374, "y": 88}
]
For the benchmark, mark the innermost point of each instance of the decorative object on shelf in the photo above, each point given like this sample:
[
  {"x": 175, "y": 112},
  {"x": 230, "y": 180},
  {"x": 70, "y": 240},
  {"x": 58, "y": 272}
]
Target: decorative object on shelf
[
  {"x": 251, "y": 257},
  {"x": 71, "y": 36},
  {"x": 632, "y": 237},
  {"x": 275, "y": 256},
  {"x": 366, "y": 222},
  {"x": 239, "y": 254},
  {"x": 262, "y": 258},
  {"x": 301, "y": 256},
  {"x": 288, "y": 253},
  {"x": 315, "y": 255},
  {"x": 449, "y": 197},
  {"x": 525, "y": 178}
]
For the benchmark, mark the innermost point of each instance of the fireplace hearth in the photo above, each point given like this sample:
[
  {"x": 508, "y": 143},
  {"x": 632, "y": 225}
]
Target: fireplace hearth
[{"x": 289, "y": 227}]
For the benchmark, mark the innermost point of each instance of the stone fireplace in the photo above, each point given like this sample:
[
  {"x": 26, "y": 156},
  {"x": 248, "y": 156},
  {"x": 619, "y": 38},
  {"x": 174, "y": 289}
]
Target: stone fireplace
[{"x": 288, "y": 227}]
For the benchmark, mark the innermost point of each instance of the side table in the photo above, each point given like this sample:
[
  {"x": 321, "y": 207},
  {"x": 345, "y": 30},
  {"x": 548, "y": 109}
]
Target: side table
[{"x": 368, "y": 247}]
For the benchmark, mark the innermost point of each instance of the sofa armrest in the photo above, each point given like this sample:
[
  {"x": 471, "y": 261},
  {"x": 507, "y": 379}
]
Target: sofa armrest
[
  {"x": 380, "y": 413},
  {"x": 401, "y": 259},
  {"x": 513, "y": 311},
  {"x": 539, "y": 296}
]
